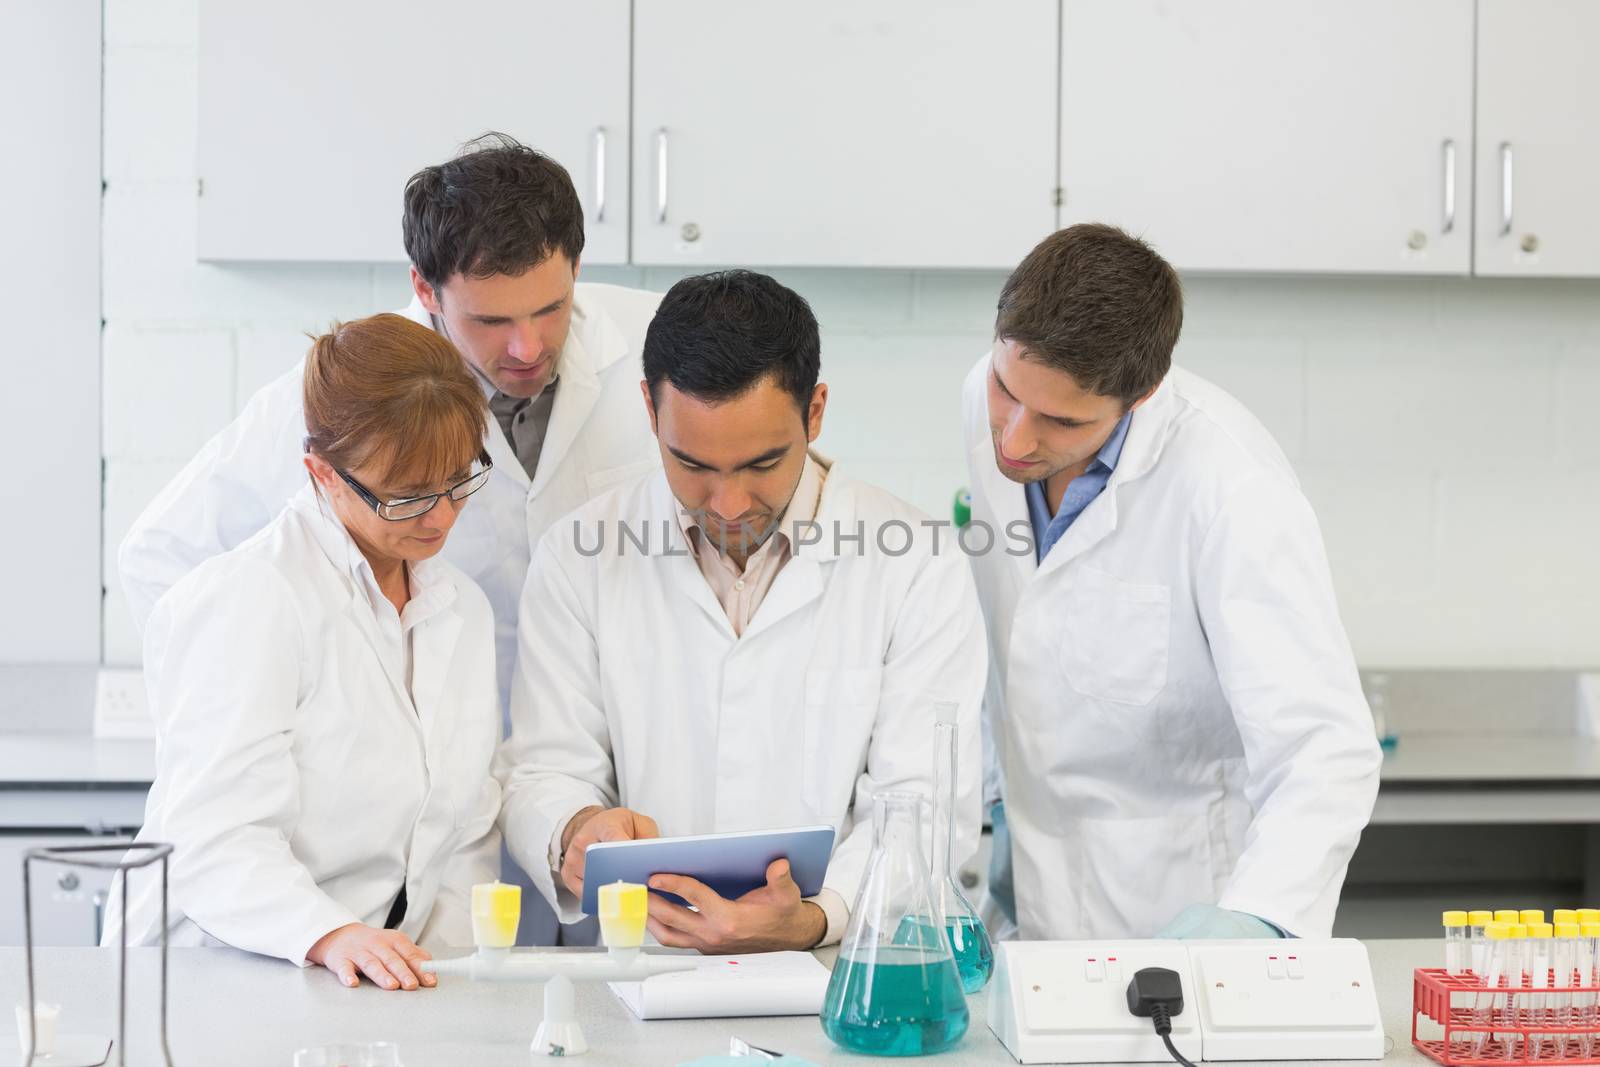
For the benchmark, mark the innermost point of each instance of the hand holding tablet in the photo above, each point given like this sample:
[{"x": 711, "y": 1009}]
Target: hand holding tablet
[{"x": 729, "y": 864}]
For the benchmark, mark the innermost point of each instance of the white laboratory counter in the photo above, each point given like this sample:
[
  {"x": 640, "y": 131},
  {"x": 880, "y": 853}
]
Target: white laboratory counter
[
  {"x": 73, "y": 781},
  {"x": 249, "y": 1011},
  {"x": 1434, "y": 779}
]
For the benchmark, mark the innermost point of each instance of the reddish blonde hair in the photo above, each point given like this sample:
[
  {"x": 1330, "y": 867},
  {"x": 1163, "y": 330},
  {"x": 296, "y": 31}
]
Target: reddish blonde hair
[{"x": 389, "y": 393}]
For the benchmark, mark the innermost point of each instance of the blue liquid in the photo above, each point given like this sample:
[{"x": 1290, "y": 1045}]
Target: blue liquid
[
  {"x": 902, "y": 1005},
  {"x": 969, "y": 943}
]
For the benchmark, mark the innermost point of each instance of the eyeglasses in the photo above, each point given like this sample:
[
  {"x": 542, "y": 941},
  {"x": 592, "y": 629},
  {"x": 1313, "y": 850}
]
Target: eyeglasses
[{"x": 412, "y": 506}]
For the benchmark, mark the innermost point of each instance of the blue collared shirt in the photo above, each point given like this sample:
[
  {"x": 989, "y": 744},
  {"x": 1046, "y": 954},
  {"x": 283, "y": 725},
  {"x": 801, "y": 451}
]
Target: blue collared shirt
[{"x": 1080, "y": 493}]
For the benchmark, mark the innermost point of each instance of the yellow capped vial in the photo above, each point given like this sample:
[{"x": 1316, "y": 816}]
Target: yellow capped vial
[
  {"x": 1529, "y": 916},
  {"x": 1541, "y": 930},
  {"x": 1564, "y": 915},
  {"x": 1568, "y": 929},
  {"x": 1480, "y": 918},
  {"x": 624, "y": 907},
  {"x": 496, "y": 910},
  {"x": 1589, "y": 915},
  {"x": 1497, "y": 931},
  {"x": 1589, "y": 929},
  {"x": 1507, "y": 915}
]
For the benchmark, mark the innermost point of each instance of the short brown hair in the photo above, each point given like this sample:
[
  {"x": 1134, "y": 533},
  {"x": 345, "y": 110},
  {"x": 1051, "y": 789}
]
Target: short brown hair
[
  {"x": 389, "y": 392},
  {"x": 1098, "y": 304},
  {"x": 499, "y": 207}
]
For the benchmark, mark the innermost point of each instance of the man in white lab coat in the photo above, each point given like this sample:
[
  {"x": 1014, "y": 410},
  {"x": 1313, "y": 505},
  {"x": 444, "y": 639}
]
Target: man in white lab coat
[
  {"x": 494, "y": 237},
  {"x": 748, "y": 639},
  {"x": 1182, "y": 740}
]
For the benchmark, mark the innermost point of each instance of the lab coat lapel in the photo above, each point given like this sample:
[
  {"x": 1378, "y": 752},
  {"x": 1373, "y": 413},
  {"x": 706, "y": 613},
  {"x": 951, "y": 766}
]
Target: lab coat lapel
[
  {"x": 341, "y": 552},
  {"x": 802, "y": 579},
  {"x": 1147, "y": 433},
  {"x": 798, "y": 584},
  {"x": 677, "y": 563},
  {"x": 433, "y": 644},
  {"x": 593, "y": 344}
]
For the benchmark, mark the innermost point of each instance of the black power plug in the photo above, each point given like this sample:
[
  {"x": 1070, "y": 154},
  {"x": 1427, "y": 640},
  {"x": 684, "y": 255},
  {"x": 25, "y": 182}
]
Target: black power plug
[{"x": 1156, "y": 993}]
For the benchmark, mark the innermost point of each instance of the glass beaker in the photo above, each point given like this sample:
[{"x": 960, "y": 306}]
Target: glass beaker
[
  {"x": 895, "y": 990},
  {"x": 969, "y": 939}
]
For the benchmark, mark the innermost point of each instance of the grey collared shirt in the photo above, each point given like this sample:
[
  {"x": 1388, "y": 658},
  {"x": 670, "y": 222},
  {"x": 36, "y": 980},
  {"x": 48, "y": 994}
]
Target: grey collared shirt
[{"x": 525, "y": 421}]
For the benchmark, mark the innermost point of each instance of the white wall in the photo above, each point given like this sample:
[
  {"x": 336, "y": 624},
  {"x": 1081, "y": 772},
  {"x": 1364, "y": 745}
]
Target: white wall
[
  {"x": 1443, "y": 428},
  {"x": 49, "y": 433}
]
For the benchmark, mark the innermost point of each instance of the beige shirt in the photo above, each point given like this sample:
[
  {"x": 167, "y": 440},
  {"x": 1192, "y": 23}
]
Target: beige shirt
[{"x": 740, "y": 592}]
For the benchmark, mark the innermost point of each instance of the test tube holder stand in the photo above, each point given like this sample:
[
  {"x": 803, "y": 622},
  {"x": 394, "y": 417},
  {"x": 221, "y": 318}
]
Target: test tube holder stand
[{"x": 1450, "y": 999}]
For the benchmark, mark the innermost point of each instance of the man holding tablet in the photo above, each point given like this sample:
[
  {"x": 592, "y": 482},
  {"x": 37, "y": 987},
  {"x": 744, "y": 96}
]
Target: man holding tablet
[{"x": 750, "y": 639}]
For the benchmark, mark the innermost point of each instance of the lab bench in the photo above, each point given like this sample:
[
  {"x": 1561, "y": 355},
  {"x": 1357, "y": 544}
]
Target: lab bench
[{"x": 230, "y": 1007}]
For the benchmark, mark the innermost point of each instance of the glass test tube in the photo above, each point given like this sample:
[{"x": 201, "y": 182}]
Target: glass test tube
[
  {"x": 1514, "y": 1003},
  {"x": 1541, "y": 942},
  {"x": 1457, "y": 951},
  {"x": 1564, "y": 961},
  {"x": 1588, "y": 1014},
  {"x": 1477, "y": 941},
  {"x": 1485, "y": 1005}
]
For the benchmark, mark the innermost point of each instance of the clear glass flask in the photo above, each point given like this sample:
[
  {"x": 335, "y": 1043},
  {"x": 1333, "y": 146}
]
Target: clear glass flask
[
  {"x": 969, "y": 939},
  {"x": 895, "y": 990}
]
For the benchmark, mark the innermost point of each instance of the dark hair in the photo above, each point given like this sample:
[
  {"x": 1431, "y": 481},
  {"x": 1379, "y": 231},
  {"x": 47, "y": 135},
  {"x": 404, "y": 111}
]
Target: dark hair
[
  {"x": 1100, "y": 305},
  {"x": 499, "y": 207},
  {"x": 715, "y": 336}
]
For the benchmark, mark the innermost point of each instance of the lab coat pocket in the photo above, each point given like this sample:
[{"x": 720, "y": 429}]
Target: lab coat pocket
[
  {"x": 841, "y": 705},
  {"x": 1133, "y": 875},
  {"x": 611, "y": 477},
  {"x": 1115, "y": 637}
]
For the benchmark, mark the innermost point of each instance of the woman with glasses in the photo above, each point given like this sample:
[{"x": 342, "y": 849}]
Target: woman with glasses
[{"x": 325, "y": 695}]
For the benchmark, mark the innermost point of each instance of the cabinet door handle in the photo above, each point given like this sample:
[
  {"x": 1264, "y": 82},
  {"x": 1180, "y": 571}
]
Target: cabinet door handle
[
  {"x": 1449, "y": 222},
  {"x": 599, "y": 174},
  {"x": 1507, "y": 196},
  {"x": 661, "y": 175}
]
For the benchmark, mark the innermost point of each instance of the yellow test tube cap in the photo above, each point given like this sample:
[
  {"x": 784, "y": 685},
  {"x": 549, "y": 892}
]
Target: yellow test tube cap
[
  {"x": 496, "y": 909},
  {"x": 1589, "y": 915},
  {"x": 1507, "y": 915},
  {"x": 1455, "y": 918},
  {"x": 1541, "y": 930},
  {"x": 1480, "y": 918},
  {"x": 1564, "y": 915},
  {"x": 1568, "y": 929},
  {"x": 1519, "y": 931},
  {"x": 1497, "y": 931},
  {"x": 1529, "y": 916},
  {"x": 1589, "y": 929},
  {"x": 624, "y": 907}
]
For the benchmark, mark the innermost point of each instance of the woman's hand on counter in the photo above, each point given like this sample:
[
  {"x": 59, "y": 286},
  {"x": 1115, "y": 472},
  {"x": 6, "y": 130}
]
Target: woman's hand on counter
[{"x": 388, "y": 958}]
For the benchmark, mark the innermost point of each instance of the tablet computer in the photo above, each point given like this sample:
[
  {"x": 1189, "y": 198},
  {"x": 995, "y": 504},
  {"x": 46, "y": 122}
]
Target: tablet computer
[{"x": 731, "y": 864}]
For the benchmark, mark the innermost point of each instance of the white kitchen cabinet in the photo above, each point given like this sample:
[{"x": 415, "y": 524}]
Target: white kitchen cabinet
[
  {"x": 313, "y": 115},
  {"x": 1273, "y": 135},
  {"x": 1538, "y": 210},
  {"x": 901, "y": 133}
]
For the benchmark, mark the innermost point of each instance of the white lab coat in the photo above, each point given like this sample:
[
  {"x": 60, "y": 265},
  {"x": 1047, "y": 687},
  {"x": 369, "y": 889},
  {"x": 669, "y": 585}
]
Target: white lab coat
[
  {"x": 632, "y": 689},
  {"x": 599, "y": 436},
  {"x": 301, "y": 776},
  {"x": 1176, "y": 709}
]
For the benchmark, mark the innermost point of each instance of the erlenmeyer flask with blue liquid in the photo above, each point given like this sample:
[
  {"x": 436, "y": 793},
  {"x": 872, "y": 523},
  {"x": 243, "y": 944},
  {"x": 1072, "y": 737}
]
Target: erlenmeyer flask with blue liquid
[
  {"x": 895, "y": 990},
  {"x": 969, "y": 938}
]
